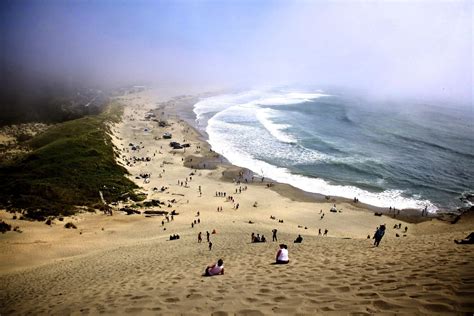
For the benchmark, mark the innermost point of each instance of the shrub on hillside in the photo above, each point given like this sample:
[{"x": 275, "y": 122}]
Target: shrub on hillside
[
  {"x": 70, "y": 225},
  {"x": 5, "y": 227}
]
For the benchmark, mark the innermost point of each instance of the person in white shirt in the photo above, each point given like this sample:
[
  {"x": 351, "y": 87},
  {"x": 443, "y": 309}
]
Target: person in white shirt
[
  {"x": 282, "y": 255},
  {"x": 215, "y": 269}
]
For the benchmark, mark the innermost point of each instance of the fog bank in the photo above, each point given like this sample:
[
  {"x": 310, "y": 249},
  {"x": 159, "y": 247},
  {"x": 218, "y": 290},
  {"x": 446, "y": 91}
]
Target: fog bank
[{"x": 419, "y": 50}]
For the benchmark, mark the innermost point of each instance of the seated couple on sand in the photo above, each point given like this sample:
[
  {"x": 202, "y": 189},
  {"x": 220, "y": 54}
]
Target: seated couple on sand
[
  {"x": 174, "y": 237},
  {"x": 468, "y": 240},
  {"x": 215, "y": 269},
  {"x": 258, "y": 238},
  {"x": 282, "y": 255}
]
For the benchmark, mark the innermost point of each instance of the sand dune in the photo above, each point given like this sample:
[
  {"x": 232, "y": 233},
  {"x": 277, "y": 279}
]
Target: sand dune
[
  {"x": 125, "y": 264},
  {"x": 325, "y": 274}
]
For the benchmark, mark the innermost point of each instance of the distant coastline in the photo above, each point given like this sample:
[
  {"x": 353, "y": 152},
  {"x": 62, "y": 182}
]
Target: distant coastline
[
  {"x": 182, "y": 107},
  {"x": 393, "y": 192}
]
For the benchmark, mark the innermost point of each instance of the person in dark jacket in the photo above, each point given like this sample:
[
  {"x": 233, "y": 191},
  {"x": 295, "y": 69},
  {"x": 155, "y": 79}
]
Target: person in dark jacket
[
  {"x": 379, "y": 235},
  {"x": 468, "y": 240}
]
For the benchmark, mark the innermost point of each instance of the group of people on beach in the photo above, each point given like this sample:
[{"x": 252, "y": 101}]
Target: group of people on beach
[
  {"x": 257, "y": 238},
  {"x": 240, "y": 189}
]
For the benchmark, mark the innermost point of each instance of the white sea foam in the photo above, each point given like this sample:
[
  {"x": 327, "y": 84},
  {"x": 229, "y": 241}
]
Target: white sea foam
[
  {"x": 265, "y": 116},
  {"x": 256, "y": 99},
  {"x": 240, "y": 158},
  {"x": 238, "y": 124},
  {"x": 252, "y": 98},
  {"x": 219, "y": 103},
  {"x": 274, "y": 99}
]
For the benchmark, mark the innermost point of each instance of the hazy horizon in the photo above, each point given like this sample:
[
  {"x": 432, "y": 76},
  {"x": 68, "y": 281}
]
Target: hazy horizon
[{"x": 394, "y": 50}]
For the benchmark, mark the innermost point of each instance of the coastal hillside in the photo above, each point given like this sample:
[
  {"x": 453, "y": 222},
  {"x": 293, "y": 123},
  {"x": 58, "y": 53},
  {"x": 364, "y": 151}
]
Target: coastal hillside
[{"x": 64, "y": 167}]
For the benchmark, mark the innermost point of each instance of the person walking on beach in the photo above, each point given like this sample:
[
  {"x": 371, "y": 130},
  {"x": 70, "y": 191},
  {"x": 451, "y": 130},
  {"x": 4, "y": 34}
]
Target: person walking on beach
[
  {"x": 378, "y": 235},
  {"x": 282, "y": 255},
  {"x": 207, "y": 236},
  {"x": 199, "y": 237},
  {"x": 210, "y": 246},
  {"x": 274, "y": 236}
]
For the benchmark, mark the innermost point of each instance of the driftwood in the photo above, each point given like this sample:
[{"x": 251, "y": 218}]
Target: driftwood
[
  {"x": 129, "y": 211},
  {"x": 156, "y": 212}
]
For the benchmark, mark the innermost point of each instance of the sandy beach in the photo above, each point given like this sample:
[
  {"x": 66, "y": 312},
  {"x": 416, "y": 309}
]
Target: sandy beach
[{"x": 124, "y": 264}]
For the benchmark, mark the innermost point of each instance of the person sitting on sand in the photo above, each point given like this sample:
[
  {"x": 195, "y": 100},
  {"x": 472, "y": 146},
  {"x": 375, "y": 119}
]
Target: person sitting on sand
[
  {"x": 282, "y": 255},
  {"x": 215, "y": 269},
  {"x": 263, "y": 239},
  {"x": 298, "y": 239},
  {"x": 468, "y": 240},
  {"x": 174, "y": 237}
]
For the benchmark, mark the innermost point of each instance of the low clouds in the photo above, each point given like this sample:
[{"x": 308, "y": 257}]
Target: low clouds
[{"x": 417, "y": 50}]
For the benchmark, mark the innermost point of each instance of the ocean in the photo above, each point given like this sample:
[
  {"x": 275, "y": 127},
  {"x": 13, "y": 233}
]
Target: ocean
[{"x": 386, "y": 154}]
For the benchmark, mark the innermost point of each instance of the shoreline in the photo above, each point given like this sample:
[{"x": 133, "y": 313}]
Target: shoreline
[{"x": 182, "y": 108}]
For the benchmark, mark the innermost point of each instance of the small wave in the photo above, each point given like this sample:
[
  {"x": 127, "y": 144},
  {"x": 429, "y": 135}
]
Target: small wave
[
  {"x": 288, "y": 98},
  {"x": 265, "y": 115},
  {"x": 228, "y": 127},
  {"x": 433, "y": 145},
  {"x": 212, "y": 106},
  {"x": 218, "y": 103}
]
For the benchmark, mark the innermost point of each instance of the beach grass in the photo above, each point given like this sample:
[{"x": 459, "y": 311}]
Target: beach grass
[{"x": 67, "y": 167}]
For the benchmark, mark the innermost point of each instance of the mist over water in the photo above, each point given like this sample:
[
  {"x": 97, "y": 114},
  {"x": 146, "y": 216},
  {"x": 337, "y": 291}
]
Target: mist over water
[{"x": 341, "y": 145}]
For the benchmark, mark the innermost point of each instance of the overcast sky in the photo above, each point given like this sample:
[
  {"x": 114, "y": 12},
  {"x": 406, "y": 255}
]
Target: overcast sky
[{"x": 390, "y": 49}]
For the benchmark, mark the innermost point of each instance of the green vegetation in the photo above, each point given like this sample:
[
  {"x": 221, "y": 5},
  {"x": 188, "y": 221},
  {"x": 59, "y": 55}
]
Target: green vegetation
[{"x": 68, "y": 165}]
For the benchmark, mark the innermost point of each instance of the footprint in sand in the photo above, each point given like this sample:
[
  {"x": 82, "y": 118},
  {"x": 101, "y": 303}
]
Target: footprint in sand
[
  {"x": 280, "y": 298},
  {"x": 248, "y": 312},
  {"x": 343, "y": 289},
  {"x": 220, "y": 313},
  {"x": 133, "y": 310},
  {"x": 194, "y": 296}
]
